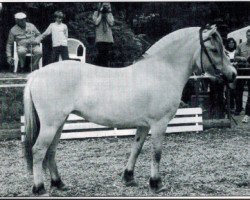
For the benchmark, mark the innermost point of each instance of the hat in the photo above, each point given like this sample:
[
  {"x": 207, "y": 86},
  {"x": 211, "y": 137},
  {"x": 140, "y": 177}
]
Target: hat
[{"x": 20, "y": 15}]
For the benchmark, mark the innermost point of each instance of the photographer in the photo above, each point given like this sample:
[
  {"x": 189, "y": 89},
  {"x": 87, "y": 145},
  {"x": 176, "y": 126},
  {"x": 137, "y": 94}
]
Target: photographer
[{"x": 103, "y": 20}]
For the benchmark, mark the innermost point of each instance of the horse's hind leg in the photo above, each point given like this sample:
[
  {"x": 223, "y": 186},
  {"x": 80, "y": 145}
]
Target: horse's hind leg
[
  {"x": 140, "y": 136},
  {"x": 45, "y": 138},
  {"x": 56, "y": 181}
]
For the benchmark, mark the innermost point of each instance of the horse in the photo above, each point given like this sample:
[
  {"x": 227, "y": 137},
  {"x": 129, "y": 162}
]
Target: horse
[{"x": 145, "y": 94}]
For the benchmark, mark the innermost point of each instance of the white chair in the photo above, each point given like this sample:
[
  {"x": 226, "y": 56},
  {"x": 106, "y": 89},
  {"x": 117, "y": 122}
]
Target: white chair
[
  {"x": 16, "y": 59},
  {"x": 73, "y": 45}
]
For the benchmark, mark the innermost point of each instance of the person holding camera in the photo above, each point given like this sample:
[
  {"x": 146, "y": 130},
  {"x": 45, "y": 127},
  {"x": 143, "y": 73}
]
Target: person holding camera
[{"x": 103, "y": 20}]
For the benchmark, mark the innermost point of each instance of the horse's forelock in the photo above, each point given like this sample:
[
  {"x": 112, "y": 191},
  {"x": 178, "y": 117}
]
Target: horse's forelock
[
  {"x": 219, "y": 44},
  {"x": 219, "y": 41}
]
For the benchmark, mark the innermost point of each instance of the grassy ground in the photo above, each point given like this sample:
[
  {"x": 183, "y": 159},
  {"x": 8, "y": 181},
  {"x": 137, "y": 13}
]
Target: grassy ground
[{"x": 212, "y": 163}]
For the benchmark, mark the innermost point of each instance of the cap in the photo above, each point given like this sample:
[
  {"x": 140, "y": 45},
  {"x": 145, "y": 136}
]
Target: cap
[{"x": 20, "y": 15}]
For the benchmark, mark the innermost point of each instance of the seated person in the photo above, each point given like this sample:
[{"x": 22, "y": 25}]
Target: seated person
[{"x": 24, "y": 34}]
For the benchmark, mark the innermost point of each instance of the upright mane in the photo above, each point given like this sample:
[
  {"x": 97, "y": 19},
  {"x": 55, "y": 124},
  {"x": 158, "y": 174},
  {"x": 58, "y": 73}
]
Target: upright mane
[{"x": 169, "y": 39}]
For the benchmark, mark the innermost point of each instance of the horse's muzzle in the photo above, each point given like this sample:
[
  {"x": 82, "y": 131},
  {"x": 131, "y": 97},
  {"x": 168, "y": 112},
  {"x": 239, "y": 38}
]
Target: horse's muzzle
[{"x": 228, "y": 79}]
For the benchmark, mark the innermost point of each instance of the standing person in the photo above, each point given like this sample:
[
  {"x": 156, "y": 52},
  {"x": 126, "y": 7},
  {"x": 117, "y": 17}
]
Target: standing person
[
  {"x": 242, "y": 55},
  {"x": 230, "y": 47},
  {"x": 24, "y": 34},
  {"x": 104, "y": 20},
  {"x": 59, "y": 33}
]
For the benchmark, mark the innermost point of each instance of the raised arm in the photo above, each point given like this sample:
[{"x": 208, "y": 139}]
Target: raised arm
[
  {"x": 97, "y": 16},
  {"x": 46, "y": 33},
  {"x": 110, "y": 19}
]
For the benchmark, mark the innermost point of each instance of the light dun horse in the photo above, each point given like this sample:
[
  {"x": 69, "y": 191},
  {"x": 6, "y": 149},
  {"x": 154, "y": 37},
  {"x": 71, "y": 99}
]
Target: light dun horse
[{"x": 145, "y": 95}]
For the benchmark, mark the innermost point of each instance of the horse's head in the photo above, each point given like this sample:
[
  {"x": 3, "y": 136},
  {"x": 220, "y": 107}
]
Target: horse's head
[{"x": 211, "y": 57}]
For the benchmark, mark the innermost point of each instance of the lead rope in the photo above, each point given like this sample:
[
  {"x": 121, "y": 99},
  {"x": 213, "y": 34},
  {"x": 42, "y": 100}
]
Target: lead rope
[{"x": 201, "y": 40}]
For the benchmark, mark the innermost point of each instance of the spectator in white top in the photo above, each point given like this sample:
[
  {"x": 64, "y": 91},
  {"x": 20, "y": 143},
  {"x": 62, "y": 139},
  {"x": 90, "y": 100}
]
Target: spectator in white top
[{"x": 59, "y": 33}]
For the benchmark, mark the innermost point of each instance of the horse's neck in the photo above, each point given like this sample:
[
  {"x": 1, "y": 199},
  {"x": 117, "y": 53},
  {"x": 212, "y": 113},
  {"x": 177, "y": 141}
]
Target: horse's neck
[{"x": 179, "y": 57}]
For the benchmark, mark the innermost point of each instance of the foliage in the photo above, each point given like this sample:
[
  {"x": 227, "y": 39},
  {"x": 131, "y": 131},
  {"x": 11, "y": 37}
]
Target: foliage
[
  {"x": 11, "y": 106},
  {"x": 137, "y": 24}
]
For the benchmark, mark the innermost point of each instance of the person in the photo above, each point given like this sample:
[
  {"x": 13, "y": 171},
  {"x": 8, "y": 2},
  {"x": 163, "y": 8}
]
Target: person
[
  {"x": 103, "y": 20},
  {"x": 230, "y": 47},
  {"x": 24, "y": 33},
  {"x": 59, "y": 32},
  {"x": 242, "y": 56}
]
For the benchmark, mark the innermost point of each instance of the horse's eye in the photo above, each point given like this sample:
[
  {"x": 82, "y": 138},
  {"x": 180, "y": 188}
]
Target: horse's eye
[{"x": 214, "y": 50}]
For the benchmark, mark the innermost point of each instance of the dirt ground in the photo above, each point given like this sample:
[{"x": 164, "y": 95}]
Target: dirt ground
[
  {"x": 211, "y": 163},
  {"x": 215, "y": 162}
]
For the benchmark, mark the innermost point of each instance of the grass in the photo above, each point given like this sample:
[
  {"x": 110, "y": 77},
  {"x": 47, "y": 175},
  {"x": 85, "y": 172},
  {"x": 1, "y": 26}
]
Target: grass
[
  {"x": 11, "y": 107},
  {"x": 212, "y": 163}
]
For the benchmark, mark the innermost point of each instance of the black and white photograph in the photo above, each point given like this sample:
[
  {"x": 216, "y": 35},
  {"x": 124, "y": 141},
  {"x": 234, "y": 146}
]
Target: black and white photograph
[{"x": 134, "y": 99}]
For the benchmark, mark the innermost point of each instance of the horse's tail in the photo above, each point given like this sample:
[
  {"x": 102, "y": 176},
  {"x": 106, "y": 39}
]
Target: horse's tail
[{"x": 31, "y": 124}]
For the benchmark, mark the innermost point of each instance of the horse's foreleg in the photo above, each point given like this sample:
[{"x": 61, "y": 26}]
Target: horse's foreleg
[
  {"x": 140, "y": 136},
  {"x": 157, "y": 136},
  {"x": 56, "y": 181},
  {"x": 45, "y": 138}
]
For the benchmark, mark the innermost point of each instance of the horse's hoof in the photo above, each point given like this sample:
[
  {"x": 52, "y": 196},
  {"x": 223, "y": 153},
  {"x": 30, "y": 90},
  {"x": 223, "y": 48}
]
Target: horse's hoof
[
  {"x": 131, "y": 183},
  {"x": 62, "y": 188},
  {"x": 128, "y": 178},
  {"x": 39, "y": 190},
  {"x": 160, "y": 190},
  {"x": 156, "y": 186},
  {"x": 58, "y": 185},
  {"x": 44, "y": 195}
]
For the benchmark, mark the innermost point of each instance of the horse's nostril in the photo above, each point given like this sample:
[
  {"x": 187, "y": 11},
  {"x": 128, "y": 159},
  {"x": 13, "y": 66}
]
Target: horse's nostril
[{"x": 233, "y": 76}]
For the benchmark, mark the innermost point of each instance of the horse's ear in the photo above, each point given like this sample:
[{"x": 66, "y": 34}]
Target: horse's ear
[{"x": 209, "y": 32}]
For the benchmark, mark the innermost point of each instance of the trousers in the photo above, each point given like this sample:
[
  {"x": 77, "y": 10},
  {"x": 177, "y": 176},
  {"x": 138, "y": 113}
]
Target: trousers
[
  {"x": 60, "y": 50},
  {"x": 239, "y": 96},
  {"x": 35, "y": 50},
  {"x": 103, "y": 57}
]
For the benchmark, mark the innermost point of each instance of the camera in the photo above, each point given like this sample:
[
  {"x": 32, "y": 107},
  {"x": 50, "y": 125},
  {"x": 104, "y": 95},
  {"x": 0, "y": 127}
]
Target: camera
[{"x": 105, "y": 9}]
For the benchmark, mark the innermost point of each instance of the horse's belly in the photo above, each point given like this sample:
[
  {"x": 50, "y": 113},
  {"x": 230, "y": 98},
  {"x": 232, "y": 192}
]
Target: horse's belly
[
  {"x": 124, "y": 110},
  {"x": 113, "y": 112}
]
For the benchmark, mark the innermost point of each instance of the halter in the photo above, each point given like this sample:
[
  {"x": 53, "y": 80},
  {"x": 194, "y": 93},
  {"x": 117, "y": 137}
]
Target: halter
[{"x": 203, "y": 48}]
